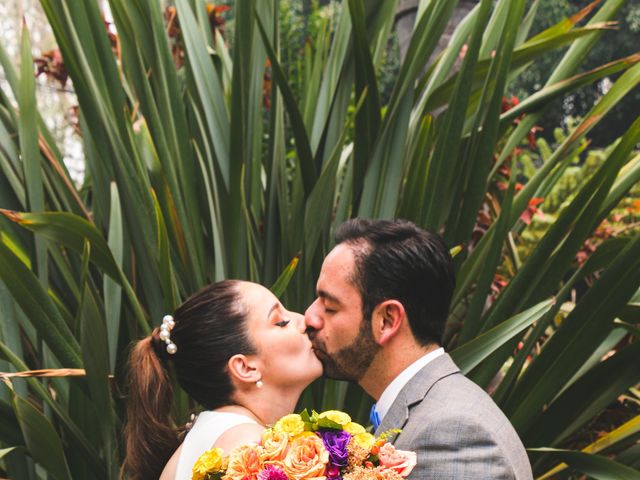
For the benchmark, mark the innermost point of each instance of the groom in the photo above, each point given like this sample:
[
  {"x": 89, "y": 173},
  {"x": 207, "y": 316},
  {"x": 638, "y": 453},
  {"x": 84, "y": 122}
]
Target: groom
[{"x": 383, "y": 298}]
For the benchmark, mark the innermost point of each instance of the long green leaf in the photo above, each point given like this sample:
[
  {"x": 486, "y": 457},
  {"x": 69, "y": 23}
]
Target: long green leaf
[
  {"x": 623, "y": 432},
  {"x": 77, "y": 438},
  {"x": 29, "y": 146},
  {"x": 72, "y": 231},
  {"x": 587, "y": 397},
  {"x": 302, "y": 140},
  {"x": 42, "y": 440},
  {"x": 95, "y": 354},
  {"x": 475, "y": 351},
  {"x": 111, "y": 290},
  {"x": 582, "y": 331},
  {"x": 38, "y": 306},
  {"x": 595, "y": 466}
]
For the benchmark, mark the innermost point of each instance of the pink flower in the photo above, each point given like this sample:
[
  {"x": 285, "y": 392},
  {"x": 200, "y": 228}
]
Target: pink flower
[
  {"x": 399, "y": 461},
  {"x": 272, "y": 473}
]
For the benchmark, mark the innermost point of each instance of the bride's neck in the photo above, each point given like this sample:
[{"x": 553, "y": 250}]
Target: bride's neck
[{"x": 264, "y": 405}]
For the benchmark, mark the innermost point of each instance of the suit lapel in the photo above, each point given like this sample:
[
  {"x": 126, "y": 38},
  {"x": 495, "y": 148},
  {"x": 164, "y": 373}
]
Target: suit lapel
[
  {"x": 396, "y": 417},
  {"x": 415, "y": 390}
]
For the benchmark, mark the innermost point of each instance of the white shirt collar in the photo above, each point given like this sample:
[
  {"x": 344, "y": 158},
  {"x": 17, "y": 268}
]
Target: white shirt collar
[{"x": 393, "y": 389}]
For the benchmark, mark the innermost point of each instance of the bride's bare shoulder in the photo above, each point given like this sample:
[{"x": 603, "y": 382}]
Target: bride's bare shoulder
[
  {"x": 169, "y": 472},
  {"x": 239, "y": 435}
]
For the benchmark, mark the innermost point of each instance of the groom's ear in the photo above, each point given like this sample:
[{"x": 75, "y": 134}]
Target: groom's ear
[
  {"x": 387, "y": 319},
  {"x": 243, "y": 369}
]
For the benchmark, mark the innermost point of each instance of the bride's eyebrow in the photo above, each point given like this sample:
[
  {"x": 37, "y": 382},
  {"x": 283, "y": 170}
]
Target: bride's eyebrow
[{"x": 275, "y": 306}]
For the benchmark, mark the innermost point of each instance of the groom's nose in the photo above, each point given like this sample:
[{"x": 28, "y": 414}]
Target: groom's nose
[{"x": 312, "y": 317}]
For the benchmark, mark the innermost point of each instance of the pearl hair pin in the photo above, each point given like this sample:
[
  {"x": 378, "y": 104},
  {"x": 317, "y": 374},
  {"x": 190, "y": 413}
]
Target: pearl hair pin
[{"x": 165, "y": 333}]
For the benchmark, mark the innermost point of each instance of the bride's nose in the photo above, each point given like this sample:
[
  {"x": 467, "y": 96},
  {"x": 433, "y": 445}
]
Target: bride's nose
[{"x": 299, "y": 322}]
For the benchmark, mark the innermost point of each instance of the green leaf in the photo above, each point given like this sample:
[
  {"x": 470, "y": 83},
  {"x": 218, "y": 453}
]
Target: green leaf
[
  {"x": 29, "y": 145},
  {"x": 595, "y": 466},
  {"x": 6, "y": 451},
  {"x": 324, "y": 422},
  {"x": 72, "y": 231},
  {"x": 620, "y": 434},
  {"x": 39, "y": 308},
  {"x": 43, "y": 443},
  {"x": 209, "y": 88},
  {"x": 95, "y": 354},
  {"x": 445, "y": 160},
  {"x": 301, "y": 139},
  {"x": 280, "y": 285},
  {"x": 77, "y": 438},
  {"x": 475, "y": 351},
  {"x": 368, "y": 118},
  {"x": 587, "y": 397},
  {"x": 111, "y": 290},
  {"x": 581, "y": 332}
]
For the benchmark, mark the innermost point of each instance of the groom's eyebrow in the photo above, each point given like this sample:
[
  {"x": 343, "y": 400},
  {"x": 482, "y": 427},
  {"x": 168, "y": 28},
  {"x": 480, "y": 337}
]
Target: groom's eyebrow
[{"x": 326, "y": 295}]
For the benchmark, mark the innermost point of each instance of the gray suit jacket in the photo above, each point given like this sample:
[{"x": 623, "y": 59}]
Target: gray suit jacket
[{"x": 457, "y": 430}]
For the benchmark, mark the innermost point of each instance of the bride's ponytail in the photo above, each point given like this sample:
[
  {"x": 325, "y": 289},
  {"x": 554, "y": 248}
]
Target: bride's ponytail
[
  {"x": 149, "y": 432},
  {"x": 210, "y": 327}
]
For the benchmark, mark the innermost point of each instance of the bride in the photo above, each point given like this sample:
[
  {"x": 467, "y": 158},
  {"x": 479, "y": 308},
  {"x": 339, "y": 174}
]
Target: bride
[{"x": 236, "y": 351}]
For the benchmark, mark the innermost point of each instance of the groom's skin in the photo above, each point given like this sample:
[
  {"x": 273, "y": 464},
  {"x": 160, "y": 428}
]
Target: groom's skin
[{"x": 455, "y": 427}]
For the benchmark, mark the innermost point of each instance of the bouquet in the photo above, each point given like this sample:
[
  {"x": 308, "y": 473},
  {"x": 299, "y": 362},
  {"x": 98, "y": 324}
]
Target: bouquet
[{"x": 314, "y": 446}]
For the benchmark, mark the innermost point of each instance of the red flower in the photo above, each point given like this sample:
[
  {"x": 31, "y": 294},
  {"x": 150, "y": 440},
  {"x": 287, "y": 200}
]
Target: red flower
[
  {"x": 531, "y": 210},
  {"x": 52, "y": 65}
]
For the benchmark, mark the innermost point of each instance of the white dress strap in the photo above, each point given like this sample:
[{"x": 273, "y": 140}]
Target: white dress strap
[{"x": 206, "y": 430}]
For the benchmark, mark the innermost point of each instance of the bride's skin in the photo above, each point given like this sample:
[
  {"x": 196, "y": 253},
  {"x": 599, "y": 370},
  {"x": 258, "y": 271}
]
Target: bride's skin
[{"x": 284, "y": 362}]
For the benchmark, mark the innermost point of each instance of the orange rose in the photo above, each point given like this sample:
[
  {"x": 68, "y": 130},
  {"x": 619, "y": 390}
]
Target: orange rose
[
  {"x": 244, "y": 463},
  {"x": 399, "y": 461},
  {"x": 274, "y": 445},
  {"x": 307, "y": 458}
]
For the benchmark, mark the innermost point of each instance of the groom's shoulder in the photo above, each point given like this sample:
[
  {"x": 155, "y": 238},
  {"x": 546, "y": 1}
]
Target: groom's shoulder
[{"x": 454, "y": 394}]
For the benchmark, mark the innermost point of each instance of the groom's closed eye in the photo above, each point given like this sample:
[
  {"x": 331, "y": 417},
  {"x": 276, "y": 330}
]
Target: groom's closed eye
[{"x": 283, "y": 323}]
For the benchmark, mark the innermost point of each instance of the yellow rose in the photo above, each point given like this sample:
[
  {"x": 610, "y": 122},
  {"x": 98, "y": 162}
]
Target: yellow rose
[
  {"x": 291, "y": 424},
  {"x": 364, "y": 440},
  {"x": 307, "y": 458},
  {"x": 244, "y": 463},
  {"x": 353, "y": 428},
  {"x": 274, "y": 445},
  {"x": 336, "y": 416},
  {"x": 210, "y": 461}
]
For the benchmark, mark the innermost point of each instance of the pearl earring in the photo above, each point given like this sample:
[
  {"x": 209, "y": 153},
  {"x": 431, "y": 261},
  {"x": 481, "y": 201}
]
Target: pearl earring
[{"x": 259, "y": 384}]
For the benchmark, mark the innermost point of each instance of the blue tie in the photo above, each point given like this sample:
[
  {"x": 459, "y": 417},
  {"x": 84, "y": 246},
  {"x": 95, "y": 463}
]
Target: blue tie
[{"x": 374, "y": 417}]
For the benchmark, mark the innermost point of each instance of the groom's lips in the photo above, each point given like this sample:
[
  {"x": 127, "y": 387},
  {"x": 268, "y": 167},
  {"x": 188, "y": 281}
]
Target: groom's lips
[{"x": 319, "y": 353}]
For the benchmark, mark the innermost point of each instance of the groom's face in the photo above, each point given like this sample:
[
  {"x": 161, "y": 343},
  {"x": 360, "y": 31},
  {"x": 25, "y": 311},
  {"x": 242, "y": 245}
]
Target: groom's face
[{"x": 341, "y": 337}]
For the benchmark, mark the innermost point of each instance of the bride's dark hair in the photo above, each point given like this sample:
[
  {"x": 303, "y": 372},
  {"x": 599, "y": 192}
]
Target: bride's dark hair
[{"x": 210, "y": 327}]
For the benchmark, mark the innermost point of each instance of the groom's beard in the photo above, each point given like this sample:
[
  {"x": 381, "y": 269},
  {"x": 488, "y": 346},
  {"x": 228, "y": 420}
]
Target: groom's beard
[{"x": 350, "y": 362}]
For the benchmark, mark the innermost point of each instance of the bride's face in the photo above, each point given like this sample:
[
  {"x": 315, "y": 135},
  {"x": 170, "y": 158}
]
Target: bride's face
[{"x": 284, "y": 350}]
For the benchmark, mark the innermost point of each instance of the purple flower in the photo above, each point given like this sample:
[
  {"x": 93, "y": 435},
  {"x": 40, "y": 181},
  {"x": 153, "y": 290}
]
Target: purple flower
[
  {"x": 336, "y": 444},
  {"x": 272, "y": 473}
]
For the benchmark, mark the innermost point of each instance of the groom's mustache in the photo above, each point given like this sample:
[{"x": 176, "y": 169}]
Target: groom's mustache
[{"x": 311, "y": 333}]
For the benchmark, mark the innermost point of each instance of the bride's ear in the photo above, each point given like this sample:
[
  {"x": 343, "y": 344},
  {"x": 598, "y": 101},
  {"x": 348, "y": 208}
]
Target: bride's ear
[{"x": 244, "y": 369}]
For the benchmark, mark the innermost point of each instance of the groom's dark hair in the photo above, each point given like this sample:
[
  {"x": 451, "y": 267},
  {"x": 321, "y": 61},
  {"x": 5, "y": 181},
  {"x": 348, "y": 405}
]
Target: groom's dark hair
[{"x": 396, "y": 259}]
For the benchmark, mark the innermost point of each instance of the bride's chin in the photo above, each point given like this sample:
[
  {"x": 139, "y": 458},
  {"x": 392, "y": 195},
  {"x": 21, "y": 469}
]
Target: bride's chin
[{"x": 318, "y": 369}]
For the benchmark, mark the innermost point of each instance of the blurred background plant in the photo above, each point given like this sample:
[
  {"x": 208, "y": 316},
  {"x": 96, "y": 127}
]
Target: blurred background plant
[
  {"x": 619, "y": 41},
  {"x": 228, "y": 141}
]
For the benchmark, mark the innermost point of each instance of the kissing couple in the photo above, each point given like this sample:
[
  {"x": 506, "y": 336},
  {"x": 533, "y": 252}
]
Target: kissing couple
[{"x": 383, "y": 298}]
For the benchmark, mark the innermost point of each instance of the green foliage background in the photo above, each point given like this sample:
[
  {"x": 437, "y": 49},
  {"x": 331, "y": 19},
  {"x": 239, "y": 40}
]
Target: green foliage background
[
  {"x": 205, "y": 162},
  {"x": 619, "y": 41}
]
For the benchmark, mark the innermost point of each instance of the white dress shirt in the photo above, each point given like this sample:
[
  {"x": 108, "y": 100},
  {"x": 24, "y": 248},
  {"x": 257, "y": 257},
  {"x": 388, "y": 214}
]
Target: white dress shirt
[{"x": 393, "y": 389}]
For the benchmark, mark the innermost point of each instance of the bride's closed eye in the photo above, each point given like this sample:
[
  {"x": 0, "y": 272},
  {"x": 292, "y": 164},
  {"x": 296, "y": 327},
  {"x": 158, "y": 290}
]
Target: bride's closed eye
[{"x": 283, "y": 323}]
